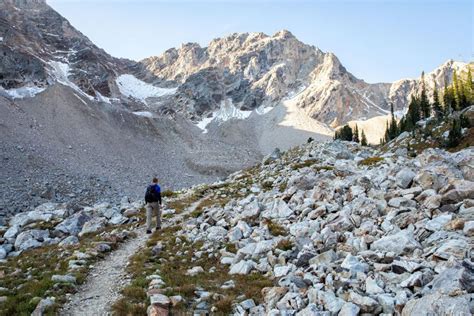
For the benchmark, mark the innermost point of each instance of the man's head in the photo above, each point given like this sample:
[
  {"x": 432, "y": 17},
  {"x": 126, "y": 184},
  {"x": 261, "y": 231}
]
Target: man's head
[{"x": 155, "y": 180}]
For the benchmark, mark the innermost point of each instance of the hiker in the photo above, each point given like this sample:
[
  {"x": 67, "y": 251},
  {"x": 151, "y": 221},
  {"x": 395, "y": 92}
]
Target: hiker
[{"x": 153, "y": 205}]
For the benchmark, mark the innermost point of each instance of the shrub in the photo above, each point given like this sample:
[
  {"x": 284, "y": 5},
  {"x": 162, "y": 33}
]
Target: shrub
[
  {"x": 370, "y": 161},
  {"x": 276, "y": 229}
]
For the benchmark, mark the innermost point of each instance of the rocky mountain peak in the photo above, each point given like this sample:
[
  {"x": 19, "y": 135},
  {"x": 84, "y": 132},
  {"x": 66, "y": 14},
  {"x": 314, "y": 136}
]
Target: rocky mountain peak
[
  {"x": 24, "y": 4},
  {"x": 284, "y": 34}
]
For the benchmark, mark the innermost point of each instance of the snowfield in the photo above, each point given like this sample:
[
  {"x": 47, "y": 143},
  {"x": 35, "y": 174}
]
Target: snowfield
[
  {"x": 23, "y": 92},
  {"x": 130, "y": 86},
  {"x": 227, "y": 112},
  {"x": 144, "y": 114},
  {"x": 60, "y": 72}
]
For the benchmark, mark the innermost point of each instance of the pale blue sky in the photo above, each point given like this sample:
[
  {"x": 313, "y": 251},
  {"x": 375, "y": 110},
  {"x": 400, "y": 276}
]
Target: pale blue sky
[{"x": 378, "y": 41}]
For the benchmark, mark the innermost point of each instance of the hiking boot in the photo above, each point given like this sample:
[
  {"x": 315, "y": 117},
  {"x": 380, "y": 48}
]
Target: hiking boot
[
  {"x": 148, "y": 231},
  {"x": 158, "y": 227}
]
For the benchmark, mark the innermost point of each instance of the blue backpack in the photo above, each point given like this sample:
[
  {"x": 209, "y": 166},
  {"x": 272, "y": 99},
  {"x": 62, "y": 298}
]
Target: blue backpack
[{"x": 151, "y": 195}]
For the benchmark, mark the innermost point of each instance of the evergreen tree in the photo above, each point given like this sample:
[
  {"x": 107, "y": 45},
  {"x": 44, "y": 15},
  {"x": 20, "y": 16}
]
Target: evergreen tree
[
  {"x": 469, "y": 88},
  {"x": 393, "y": 129},
  {"x": 463, "y": 102},
  {"x": 356, "y": 134},
  {"x": 456, "y": 94},
  {"x": 413, "y": 113},
  {"x": 438, "y": 111},
  {"x": 425, "y": 105},
  {"x": 363, "y": 139},
  {"x": 448, "y": 99},
  {"x": 344, "y": 133},
  {"x": 455, "y": 134}
]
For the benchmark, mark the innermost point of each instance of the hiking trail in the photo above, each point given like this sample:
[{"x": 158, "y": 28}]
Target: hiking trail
[{"x": 108, "y": 277}]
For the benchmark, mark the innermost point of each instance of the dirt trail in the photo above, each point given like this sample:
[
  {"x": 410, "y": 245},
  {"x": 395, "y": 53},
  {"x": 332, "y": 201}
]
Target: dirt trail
[{"x": 105, "y": 281}]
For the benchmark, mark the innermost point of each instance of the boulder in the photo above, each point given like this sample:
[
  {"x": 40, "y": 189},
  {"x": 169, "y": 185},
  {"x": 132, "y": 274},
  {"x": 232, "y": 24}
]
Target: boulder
[
  {"x": 73, "y": 224},
  {"x": 469, "y": 228},
  {"x": 404, "y": 178},
  {"x": 242, "y": 267},
  {"x": 453, "y": 247},
  {"x": 279, "y": 209},
  {"x": 366, "y": 303},
  {"x": 43, "y": 306},
  {"x": 354, "y": 264},
  {"x": 349, "y": 309},
  {"x": 462, "y": 189},
  {"x": 216, "y": 233},
  {"x": 399, "y": 243},
  {"x": 271, "y": 296},
  {"x": 454, "y": 279},
  {"x": 93, "y": 225},
  {"x": 438, "y": 304},
  {"x": 194, "y": 271},
  {"x": 69, "y": 241},
  {"x": 57, "y": 278},
  {"x": 31, "y": 239}
]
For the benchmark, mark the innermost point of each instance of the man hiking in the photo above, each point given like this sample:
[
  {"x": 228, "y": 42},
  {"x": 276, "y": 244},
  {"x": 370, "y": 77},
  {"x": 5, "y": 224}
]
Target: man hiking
[{"x": 153, "y": 205}]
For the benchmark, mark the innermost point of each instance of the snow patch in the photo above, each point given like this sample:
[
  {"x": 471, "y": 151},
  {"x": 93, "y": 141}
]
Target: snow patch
[
  {"x": 23, "y": 92},
  {"x": 261, "y": 110},
  {"x": 144, "y": 114},
  {"x": 102, "y": 98},
  {"x": 130, "y": 86},
  {"x": 60, "y": 72},
  {"x": 226, "y": 112}
]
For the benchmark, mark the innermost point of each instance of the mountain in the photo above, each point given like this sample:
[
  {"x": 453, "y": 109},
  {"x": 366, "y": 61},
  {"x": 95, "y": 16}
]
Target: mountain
[
  {"x": 252, "y": 70},
  {"x": 40, "y": 46}
]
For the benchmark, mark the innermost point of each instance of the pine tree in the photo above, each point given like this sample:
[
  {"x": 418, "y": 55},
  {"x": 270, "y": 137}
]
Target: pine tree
[
  {"x": 448, "y": 99},
  {"x": 456, "y": 94},
  {"x": 438, "y": 111},
  {"x": 469, "y": 87},
  {"x": 363, "y": 139},
  {"x": 344, "y": 133},
  {"x": 356, "y": 134},
  {"x": 455, "y": 134},
  {"x": 386, "y": 137},
  {"x": 413, "y": 113},
  {"x": 392, "y": 129},
  {"x": 424, "y": 102}
]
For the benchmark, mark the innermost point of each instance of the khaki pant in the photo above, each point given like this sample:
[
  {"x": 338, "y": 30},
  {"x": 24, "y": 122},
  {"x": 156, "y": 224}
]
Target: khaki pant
[{"x": 153, "y": 208}]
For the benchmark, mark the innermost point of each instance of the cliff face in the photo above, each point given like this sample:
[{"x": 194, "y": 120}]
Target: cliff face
[{"x": 39, "y": 45}]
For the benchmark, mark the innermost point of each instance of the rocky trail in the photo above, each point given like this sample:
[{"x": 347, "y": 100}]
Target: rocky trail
[{"x": 106, "y": 280}]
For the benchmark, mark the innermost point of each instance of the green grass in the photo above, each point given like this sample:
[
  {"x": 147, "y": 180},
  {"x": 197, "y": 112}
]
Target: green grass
[
  {"x": 276, "y": 229},
  {"x": 285, "y": 244},
  {"x": 304, "y": 164},
  {"x": 370, "y": 161},
  {"x": 28, "y": 276}
]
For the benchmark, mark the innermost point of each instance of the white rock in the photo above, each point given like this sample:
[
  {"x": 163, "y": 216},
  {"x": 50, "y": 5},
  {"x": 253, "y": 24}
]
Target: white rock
[
  {"x": 349, "y": 309},
  {"x": 281, "y": 270},
  {"x": 469, "y": 228},
  {"x": 216, "y": 233},
  {"x": 399, "y": 243},
  {"x": 279, "y": 209},
  {"x": 194, "y": 271},
  {"x": 63, "y": 278},
  {"x": 242, "y": 267}
]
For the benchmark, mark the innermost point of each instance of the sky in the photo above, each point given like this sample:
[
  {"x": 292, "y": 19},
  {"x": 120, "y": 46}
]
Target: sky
[{"x": 376, "y": 40}]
